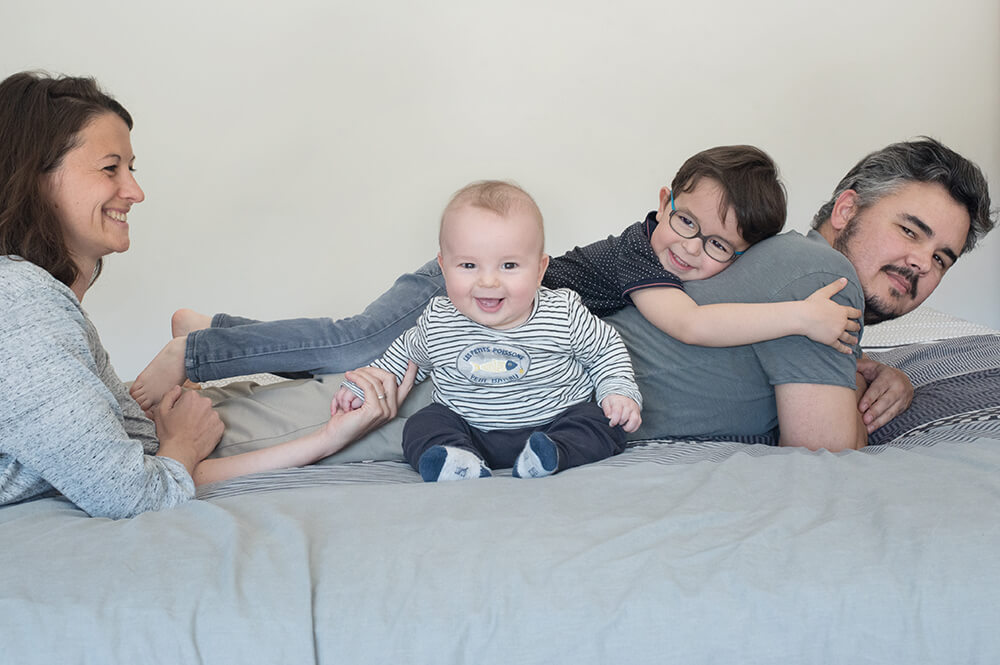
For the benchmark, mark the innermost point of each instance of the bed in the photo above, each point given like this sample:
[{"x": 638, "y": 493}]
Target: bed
[{"x": 673, "y": 552}]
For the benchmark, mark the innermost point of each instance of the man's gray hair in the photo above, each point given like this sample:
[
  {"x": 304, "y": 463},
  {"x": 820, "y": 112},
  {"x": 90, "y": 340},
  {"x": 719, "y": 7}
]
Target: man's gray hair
[{"x": 924, "y": 160}]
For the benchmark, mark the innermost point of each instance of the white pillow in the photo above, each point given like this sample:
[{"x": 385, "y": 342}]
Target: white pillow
[{"x": 923, "y": 324}]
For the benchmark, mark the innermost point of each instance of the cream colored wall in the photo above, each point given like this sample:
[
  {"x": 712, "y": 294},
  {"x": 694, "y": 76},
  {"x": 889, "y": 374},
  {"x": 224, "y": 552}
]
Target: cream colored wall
[{"x": 296, "y": 155}]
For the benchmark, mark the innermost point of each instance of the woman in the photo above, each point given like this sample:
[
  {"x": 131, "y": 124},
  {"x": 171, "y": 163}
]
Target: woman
[{"x": 67, "y": 423}]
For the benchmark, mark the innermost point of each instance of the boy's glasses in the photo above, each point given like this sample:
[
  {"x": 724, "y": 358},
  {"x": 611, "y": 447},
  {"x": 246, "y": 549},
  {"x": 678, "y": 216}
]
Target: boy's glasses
[{"x": 716, "y": 248}]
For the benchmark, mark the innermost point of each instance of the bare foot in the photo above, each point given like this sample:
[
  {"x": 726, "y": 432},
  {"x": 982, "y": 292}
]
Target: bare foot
[
  {"x": 185, "y": 321},
  {"x": 165, "y": 372}
]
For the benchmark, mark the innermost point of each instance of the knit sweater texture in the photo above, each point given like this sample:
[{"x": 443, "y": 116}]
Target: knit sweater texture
[{"x": 67, "y": 423}]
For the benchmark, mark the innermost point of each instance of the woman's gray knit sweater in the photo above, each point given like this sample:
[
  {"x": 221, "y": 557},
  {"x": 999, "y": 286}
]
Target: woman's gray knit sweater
[{"x": 67, "y": 423}]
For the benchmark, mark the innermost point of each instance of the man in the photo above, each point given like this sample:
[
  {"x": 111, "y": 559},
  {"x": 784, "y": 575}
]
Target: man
[{"x": 895, "y": 224}]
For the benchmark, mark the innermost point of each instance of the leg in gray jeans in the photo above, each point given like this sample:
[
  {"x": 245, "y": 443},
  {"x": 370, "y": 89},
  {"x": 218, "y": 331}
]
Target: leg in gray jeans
[{"x": 235, "y": 346}]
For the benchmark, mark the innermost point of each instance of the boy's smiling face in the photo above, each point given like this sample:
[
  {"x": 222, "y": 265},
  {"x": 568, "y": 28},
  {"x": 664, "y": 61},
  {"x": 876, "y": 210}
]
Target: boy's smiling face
[{"x": 685, "y": 257}]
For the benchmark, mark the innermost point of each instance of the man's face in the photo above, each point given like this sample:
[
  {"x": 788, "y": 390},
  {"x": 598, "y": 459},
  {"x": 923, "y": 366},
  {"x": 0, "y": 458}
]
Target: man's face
[{"x": 902, "y": 246}]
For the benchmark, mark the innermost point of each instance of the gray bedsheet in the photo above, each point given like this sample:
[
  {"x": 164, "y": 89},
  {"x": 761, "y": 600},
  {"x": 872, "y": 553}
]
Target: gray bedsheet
[{"x": 682, "y": 552}]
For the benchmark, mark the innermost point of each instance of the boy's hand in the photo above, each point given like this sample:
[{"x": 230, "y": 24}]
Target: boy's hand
[
  {"x": 623, "y": 411},
  {"x": 827, "y": 322},
  {"x": 346, "y": 400}
]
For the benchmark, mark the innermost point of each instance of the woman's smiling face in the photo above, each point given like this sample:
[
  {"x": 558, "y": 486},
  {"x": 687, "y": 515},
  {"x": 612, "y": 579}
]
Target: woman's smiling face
[{"x": 93, "y": 189}]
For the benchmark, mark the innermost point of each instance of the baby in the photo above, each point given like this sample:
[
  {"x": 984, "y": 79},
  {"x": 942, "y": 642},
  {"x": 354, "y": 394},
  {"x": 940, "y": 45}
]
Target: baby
[{"x": 514, "y": 364}]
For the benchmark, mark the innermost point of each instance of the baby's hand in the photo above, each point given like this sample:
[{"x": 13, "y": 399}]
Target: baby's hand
[
  {"x": 346, "y": 400},
  {"x": 623, "y": 411},
  {"x": 827, "y": 322}
]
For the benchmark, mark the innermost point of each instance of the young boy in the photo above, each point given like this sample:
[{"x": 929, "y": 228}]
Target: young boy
[
  {"x": 514, "y": 365},
  {"x": 722, "y": 199}
]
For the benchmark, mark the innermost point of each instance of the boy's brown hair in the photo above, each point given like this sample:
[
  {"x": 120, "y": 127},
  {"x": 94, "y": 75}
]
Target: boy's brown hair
[{"x": 750, "y": 186}]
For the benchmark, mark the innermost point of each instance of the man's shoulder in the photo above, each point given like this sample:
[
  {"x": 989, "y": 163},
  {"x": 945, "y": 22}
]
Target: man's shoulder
[
  {"x": 795, "y": 248},
  {"x": 788, "y": 266},
  {"x": 803, "y": 263}
]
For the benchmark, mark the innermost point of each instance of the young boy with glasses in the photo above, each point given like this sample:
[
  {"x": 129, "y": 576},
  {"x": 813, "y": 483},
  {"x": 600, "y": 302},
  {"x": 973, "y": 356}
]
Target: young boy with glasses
[{"x": 721, "y": 201}]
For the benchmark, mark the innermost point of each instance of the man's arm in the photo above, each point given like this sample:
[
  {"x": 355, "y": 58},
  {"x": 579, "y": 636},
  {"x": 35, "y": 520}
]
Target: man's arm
[{"x": 818, "y": 416}]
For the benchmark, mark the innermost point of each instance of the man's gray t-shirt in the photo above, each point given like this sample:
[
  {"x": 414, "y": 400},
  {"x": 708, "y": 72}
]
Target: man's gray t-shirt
[{"x": 701, "y": 391}]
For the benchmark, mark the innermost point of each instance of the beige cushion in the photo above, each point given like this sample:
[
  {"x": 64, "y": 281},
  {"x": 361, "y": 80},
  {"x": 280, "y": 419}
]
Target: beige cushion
[{"x": 260, "y": 416}]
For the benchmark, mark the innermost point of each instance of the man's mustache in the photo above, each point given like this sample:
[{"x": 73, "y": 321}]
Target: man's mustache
[{"x": 906, "y": 273}]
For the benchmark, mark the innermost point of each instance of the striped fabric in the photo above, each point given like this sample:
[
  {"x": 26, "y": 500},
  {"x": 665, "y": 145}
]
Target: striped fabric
[
  {"x": 925, "y": 363},
  {"x": 521, "y": 377},
  {"x": 957, "y": 400},
  {"x": 959, "y": 429}
]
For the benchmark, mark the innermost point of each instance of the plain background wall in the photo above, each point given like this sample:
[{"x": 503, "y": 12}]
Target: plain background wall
[{"x": 296, "y": 155}]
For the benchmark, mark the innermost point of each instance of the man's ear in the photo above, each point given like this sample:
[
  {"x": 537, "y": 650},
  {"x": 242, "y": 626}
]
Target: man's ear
[
  {"x": 844, "y": 210},
  {"x": 664, "y": 210}
]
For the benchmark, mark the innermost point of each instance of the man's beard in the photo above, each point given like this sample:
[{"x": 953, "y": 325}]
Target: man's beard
[
  {"x": 876, "y": 311},
  {"x": 876, "y": 308}
]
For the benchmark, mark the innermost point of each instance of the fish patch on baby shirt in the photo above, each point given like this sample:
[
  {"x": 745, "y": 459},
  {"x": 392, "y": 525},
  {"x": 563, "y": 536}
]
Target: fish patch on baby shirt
[{"x": 493, "y": 363}]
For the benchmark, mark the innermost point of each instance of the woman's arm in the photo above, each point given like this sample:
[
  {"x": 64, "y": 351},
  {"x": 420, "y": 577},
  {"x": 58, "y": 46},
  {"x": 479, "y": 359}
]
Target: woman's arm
[
  {"x": 343, "y": 428},
  {"x": 732, "y": 324},
  {"x": 61, "y": 425},
  {"x": 406, "y": 350}
]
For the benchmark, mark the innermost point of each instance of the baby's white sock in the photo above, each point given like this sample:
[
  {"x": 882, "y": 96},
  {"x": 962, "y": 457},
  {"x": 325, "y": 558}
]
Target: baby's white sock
[
  {"x": 539, "y": 458},
  {"x": 440, "y": 463}
]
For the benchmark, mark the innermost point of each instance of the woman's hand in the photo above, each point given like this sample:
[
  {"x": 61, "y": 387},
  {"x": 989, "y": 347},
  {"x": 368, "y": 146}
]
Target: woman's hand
[
  {"x": 382, "y": 400},
  {"x": 343, "y": 427},
  {"x": 187, "y": 427}
]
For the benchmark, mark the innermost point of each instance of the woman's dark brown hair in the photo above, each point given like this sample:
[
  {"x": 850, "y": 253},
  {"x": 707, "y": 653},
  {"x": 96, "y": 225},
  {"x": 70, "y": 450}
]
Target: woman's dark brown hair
[{"x": 41, "y": 117}]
